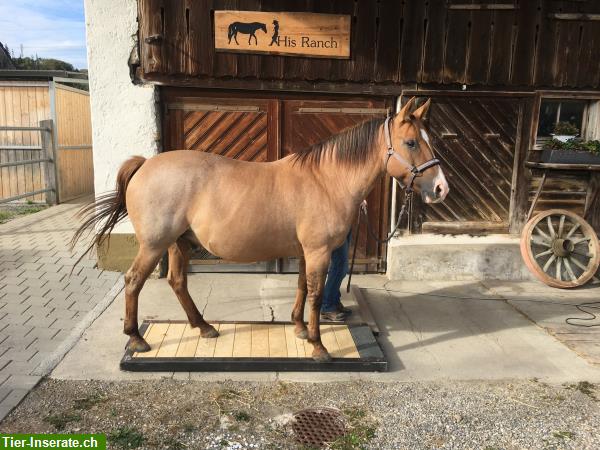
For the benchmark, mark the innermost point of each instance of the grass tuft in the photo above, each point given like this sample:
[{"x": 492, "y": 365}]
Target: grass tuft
[{"x": 126, "y": 437}]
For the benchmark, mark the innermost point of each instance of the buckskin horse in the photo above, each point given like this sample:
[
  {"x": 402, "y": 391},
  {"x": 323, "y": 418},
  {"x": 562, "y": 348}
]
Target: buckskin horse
[
  {"x": 302, "y": 205},
  {"x": 245, "y": 28}
]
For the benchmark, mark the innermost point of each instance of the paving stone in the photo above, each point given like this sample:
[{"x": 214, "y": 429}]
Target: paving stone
[
  {"x": 43, "y": 294},
  {"x": 36, "y": 290},
  {"x": 32, "y": 282},
  {"x": 53, "y": 276},
  {"x": 12, "y": 289},
  {"x": 12, "y": 280}
]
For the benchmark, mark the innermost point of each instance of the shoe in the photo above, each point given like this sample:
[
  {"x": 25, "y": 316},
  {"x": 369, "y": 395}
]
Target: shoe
[
  {"x": 341, "y": 308},
  {"x": 334, "y": 316}
]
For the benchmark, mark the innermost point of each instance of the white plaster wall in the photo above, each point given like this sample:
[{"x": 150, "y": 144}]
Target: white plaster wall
[{"x": 123, "y": 115}]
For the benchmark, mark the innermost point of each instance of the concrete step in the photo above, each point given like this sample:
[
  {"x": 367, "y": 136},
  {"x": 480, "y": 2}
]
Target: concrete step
[{"x": 456, "y": 258}]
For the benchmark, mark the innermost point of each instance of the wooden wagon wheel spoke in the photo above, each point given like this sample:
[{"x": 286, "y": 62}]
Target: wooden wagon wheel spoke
[
  {"x": 570, "y": 270},
  {"x": 547, "y": 252},
  {"x": 541, "y": 242},
  {"x": 580, "y": 240},
  {"x": 561, "y": 225},
  {"x": 572, "y": 230},
  {"x": 550, "y": 227},
  {"x": 578, "y": 264},
  {"x": 549, "y": 263},
  {"x": 543, "y": 235},
  {"x": 569, "y": 245},
  {"x": 587, "y": 255}
]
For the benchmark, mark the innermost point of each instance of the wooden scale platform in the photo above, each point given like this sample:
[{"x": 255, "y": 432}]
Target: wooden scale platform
[{"x": 253, "y": 346}]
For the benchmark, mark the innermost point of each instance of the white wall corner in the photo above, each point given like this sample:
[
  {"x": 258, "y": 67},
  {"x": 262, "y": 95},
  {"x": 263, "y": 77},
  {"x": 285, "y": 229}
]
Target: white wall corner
[{"x": 124, "y": 116}]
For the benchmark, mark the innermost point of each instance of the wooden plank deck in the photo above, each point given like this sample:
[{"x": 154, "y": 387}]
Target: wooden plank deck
[{"x": 243, "y": 340}]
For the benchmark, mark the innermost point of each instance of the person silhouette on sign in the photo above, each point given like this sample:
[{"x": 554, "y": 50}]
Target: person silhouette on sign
[{"x": 275, "y": 38}]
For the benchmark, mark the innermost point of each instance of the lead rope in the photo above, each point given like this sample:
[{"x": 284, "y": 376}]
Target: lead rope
[{"x": 363, "y": 211}]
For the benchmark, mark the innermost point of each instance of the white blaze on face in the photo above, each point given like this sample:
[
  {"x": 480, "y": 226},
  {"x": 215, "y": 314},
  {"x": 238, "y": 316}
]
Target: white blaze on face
[{"x": 425, "y": 137}]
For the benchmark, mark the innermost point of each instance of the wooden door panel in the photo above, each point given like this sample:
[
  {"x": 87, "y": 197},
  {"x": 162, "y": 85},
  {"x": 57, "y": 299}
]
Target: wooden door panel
[
  {"x": 475, "y": 140},
  {"x": 308, "y": 122}
]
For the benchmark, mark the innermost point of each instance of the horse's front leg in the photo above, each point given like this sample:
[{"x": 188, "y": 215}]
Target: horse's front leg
[
  {"x": 298, "y": 311},
  {"x": 316, "y": 272}
]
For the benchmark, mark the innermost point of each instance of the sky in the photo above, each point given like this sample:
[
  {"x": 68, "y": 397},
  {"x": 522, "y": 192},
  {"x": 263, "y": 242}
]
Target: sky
[{"x": 48, "y": 28}]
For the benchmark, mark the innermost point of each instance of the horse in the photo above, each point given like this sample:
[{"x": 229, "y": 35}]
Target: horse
[
  {"x": 245, "y": 28},
  {"x": 301, "y": 206}
]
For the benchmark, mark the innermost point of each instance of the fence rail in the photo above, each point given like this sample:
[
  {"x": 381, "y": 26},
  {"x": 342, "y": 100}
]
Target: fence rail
[{"x": 48, "y": 159}]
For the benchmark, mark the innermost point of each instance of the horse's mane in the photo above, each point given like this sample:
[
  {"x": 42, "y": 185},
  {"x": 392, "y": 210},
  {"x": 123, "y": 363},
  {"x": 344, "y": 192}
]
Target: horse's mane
[{"x": 352, "y": 146}]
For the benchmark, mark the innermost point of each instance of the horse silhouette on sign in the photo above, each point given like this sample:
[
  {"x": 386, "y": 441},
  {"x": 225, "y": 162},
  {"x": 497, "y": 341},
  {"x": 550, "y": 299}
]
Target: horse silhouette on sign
[{"x": 245, "y": 28}]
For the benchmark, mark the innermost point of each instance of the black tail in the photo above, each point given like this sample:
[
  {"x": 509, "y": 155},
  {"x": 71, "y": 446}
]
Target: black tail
[{"x": 109, "y": 208}]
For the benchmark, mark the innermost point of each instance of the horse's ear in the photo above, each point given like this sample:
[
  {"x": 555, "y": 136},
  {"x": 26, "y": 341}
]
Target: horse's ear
[
  {"x": 405, "y": 111},
  {"x": 421, "y": 112}
]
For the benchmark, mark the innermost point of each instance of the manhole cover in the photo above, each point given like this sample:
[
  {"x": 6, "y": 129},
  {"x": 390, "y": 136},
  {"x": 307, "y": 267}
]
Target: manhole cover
[{"x": 318, "y": 426}]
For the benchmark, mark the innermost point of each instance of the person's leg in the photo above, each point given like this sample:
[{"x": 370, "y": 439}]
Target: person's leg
[{"x": 338, "y": 268}]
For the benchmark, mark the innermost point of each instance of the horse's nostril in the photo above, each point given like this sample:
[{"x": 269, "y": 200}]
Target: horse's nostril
[{"x": 438, "y": 190}]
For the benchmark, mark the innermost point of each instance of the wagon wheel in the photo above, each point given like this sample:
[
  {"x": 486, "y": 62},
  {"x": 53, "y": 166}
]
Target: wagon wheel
[{"x": 560, "y": 248}]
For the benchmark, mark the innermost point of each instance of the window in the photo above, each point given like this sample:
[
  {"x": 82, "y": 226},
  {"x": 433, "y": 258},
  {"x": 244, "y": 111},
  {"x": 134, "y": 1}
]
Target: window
[{"x": 553, "y": 111}]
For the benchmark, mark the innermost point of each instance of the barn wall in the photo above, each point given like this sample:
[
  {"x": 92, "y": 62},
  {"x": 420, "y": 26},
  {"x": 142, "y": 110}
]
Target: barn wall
[
  {"x": 541, "y": 43},
  {"x": 124, "y": 116},
  {"x": 22, "y": 104}
]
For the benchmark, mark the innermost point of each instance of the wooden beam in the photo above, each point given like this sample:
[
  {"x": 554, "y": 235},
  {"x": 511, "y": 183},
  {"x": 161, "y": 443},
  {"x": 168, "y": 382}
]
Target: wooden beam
[
  {"x": 574, "y": 16},
  {"x": 465, "y": 227},
  {"x": 557, "y": 166},
  {"x": 483, "y": 6}
]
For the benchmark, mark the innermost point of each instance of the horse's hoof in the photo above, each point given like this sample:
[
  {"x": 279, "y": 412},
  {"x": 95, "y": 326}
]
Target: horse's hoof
[
  {"x": 302, "y": 334},
  {"x": 321, "y": 356},
  {"x": 209, "y": 333},
  {"x": 137, "y": 344}
]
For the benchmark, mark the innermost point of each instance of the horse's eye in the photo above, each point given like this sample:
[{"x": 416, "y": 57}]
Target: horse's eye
[{"x": 411, "y": 143}]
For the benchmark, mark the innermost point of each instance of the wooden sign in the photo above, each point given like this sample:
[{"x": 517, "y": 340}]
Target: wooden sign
[{"x": 283, "y": 33}]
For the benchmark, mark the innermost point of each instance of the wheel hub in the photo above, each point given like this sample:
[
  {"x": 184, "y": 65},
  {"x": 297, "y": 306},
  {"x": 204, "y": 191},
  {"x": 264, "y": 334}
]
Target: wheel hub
[{"x": 563, "y": 247}]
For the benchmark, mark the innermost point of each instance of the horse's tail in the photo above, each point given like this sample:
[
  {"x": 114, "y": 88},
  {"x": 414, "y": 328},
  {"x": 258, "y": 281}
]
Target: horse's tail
[
  {"x": 231, "y": 31},
  {"x": 109, "y": 208}
]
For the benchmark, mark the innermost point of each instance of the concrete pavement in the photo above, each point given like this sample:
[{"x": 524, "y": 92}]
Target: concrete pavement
[
  {"x": 430, "y": 330},
  {"x": 43, "y": 307}
]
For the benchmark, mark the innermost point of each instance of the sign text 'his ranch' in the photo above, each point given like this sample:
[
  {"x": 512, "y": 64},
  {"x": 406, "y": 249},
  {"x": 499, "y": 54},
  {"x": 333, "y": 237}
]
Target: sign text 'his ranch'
[{"x": 283, "y": 33}]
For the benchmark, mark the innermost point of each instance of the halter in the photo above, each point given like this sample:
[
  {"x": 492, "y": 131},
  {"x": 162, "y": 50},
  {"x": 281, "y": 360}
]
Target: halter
[{"x": 416, "y": 171}]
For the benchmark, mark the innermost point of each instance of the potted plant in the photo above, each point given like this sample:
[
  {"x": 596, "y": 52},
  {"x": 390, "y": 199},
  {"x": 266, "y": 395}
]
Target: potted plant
[
  {"x": 564, "y": 131},
  {"x": 572, "y": 151}
]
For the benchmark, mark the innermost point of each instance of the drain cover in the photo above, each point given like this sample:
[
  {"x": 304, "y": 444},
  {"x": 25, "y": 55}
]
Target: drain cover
[{"x": 318, "y": 426}]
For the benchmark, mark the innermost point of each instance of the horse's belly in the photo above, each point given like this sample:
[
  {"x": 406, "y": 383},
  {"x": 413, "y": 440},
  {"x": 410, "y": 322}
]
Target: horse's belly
[{"x": 249, "y": 245}]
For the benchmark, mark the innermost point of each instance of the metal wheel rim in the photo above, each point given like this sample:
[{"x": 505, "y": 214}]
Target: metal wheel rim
[{"x": 560, "y": 248}]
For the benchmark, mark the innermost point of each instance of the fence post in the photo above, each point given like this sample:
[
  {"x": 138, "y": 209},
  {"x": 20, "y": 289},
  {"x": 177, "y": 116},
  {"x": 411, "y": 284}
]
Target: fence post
[{"x": 49, "y": 154}]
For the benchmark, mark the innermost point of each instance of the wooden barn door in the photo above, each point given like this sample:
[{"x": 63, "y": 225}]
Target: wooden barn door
[
  {"x": 235, "y": 128},
  {"x": 307, "y": 122},
  {"x": 476, "y": 140}
]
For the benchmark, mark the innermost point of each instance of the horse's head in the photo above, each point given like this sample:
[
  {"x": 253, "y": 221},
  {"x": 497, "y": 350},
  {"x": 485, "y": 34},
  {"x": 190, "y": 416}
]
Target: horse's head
[
  {"x": 409, "y": 156},
  {"x": 263, "y": 27}
]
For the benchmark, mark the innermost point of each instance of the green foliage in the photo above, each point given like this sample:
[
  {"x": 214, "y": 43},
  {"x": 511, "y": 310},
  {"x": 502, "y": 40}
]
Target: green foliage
[
  {"x": 88, "y": 402},
  {"x": 60, "y": 421},
  {"x": 36, "y": 63},
  {"x": 575, "y": 144},
  {"x": 566, "y": 128},
  {"x": 563, "y": 434},
  {"x": 126, "y": 437}
]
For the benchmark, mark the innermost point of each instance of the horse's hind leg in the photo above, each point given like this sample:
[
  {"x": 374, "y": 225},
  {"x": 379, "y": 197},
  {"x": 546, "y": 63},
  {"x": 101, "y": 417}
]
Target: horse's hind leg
[
  {"x": 298, "y": 311},
  {"x": 143, "y": 265},
  {"x": 316, "y": 272},
  {"x": 179, "y": 257}
]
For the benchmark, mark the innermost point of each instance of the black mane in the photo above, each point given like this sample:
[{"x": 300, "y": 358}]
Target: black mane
[{"x": 352, "y": 146}]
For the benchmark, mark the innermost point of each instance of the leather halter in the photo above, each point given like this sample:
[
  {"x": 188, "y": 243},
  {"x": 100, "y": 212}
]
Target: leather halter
[{"x": 416, "y": 171}]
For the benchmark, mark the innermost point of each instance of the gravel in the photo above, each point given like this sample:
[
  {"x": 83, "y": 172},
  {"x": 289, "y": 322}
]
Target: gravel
[{"x": 170, "y": 414}]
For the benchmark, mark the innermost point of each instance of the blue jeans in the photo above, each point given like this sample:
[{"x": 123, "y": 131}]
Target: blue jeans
[{"x": 338, "y": 269}]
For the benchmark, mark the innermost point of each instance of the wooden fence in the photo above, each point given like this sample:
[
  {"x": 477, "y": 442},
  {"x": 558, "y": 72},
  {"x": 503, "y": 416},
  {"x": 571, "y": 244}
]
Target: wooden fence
[
  {"x": 23, "y": 105},
  {"x": 42, "y": 156}
]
